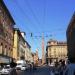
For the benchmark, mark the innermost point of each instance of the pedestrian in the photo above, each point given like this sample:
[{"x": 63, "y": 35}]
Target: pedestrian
[
  {"x": 30, "y": 67},
  {"x": 13, "y": 69},
  {"x": 56, "y": 70},
  {"x": 62, "y": 67}
]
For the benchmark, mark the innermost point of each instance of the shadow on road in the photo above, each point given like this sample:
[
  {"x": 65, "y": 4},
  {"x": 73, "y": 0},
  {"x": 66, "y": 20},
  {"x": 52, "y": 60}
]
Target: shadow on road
[{"x": 38, "y": 71}]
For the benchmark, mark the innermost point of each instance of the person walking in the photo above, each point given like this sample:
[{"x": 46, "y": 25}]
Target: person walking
[
  {"x": 13, "y": 69},
  {"x": 62, "y": 67},
  {"x": 30, "y": 67}
]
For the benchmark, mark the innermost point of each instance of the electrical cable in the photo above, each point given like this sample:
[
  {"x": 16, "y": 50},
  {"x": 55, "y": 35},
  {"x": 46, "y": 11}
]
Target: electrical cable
[
  {"x": 24, "y": 14},
  {"x": 34, "y": 15},
  {"x": 27, "y": 16}
]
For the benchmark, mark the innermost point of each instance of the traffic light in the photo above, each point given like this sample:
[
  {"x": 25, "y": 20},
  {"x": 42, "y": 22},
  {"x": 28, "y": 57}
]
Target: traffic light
[{"x": 31, "y": 34}]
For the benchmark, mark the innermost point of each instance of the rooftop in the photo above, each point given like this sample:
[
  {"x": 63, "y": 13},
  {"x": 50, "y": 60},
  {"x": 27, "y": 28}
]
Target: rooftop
[{"x": 7, "y": 11}]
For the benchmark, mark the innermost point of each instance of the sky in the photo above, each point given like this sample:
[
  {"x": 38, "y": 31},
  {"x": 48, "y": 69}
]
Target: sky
[{"x": 49, "y": 18}]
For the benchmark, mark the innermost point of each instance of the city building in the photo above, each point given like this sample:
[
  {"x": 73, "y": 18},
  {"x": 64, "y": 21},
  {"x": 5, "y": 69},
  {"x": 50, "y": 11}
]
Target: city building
[
  {"x": 39, "y": 62},
  {"x": 35, "y": 58},
  {"x": 28, "y": 53},
  {"x": 70, "y": 33},
  {"x": 55, "y": 51},
  {"x": 6, "y": 34},
  {"x": 19, "y": 45}
]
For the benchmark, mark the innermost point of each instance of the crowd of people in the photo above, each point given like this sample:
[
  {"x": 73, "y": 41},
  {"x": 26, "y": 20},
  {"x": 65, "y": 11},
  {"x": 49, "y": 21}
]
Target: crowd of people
[{"x": 59, "y": 67}]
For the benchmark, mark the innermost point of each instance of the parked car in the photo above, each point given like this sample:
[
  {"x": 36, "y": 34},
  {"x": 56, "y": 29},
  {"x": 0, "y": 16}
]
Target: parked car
[
  {"x": 27, "y": 66},
  {"x": 5, "y": 70},
  {"x": 0, "y": 70},
  {"x": 21, "y": 65}
]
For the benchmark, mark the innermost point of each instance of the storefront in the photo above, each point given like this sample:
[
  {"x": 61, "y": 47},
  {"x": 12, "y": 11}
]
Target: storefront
[{"x": 5, "y": 60}]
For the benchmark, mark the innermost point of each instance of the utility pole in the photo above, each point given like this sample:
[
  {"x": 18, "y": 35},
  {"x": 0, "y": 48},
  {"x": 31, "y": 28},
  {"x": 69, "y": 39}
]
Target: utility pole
[{"x": 43, "y": 53}]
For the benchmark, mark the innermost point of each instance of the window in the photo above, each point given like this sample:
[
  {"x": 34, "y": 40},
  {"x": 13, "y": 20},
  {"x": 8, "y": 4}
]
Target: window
[
  {"x": 1, "y": 46},
  {"x": 6, "y": 35},
  {"x": 9, "y": 52},
  {"x": 1, "y": 29},
  {"x": 55, "y": 52},
  {"x": 5, "y": 50},
  {"x": 0, "y": 14}
]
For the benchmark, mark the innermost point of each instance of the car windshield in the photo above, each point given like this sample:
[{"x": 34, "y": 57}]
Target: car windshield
[
  {"x": 6, "y": 67},
  {"x": 19, "y": 64}
]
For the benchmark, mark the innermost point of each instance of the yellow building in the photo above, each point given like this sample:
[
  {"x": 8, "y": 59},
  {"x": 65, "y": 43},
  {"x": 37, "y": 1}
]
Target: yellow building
[
  {"x": 71, "y": 38},
  {"x": 19, "y": 45},
  {"x": 6, "y": 34},
  {"x": 56, "y": 51}
]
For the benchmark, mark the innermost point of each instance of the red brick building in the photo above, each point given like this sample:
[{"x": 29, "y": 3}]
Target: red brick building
[{"x": 6, "y": 33}]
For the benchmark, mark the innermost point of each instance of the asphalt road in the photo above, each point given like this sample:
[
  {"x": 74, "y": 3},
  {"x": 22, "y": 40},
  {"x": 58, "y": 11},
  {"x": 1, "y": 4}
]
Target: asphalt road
[{"x": 39, "y": 71}]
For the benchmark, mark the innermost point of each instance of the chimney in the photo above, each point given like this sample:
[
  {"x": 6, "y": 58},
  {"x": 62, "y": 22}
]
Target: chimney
[{"x": 23, "y": 34}]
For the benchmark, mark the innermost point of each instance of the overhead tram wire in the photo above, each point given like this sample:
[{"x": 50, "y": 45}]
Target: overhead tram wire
[
  {"x": 24, "y": 14},
  {"x": 48, "y": 34},
  {"x": 46, "y": 37},
  {"x": 44, "y": 12},
  {"x": 34, "y": 15},
  {"x": 16, "y": 6},
  {"x": 50, "y": 31},
  {"x": 31, "y": 10}
]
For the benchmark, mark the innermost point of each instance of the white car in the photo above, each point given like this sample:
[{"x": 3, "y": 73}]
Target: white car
[
  {"x": 0, "y": 70},
  {"x": 21, "y": 65},
  {"x": 5, "y": 70}
]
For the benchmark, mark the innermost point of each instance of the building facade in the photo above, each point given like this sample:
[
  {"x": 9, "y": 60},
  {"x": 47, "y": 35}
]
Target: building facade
[
  {"x": 70, "y": 33},
  {"x": 28, "y": 54},
  {"x": 35, "y": 58},
  {"x": 19, "y": 45},
  {"x": 6, "y": 34},
  {"x": 55, "y": 51}
]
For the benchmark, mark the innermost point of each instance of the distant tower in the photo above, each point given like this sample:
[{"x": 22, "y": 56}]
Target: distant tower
[
  {"x": 43, "y": 55},
  {"x": 37, "y": 52},
  {"x": 37, "y": 57}
]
